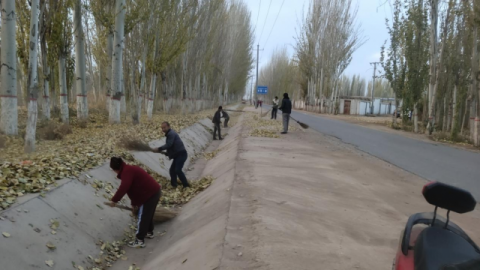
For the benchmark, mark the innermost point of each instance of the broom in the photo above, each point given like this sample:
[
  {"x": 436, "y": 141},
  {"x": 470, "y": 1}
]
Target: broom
[
  {"x": 136, "y": 145},
  {"x": 233, "y": 110},
  {"x": 133, "y": 144},
  {"x": 303, "y": 125},
  {"x": 161, "y": 214},
  {"x": 265, "y": 114}
]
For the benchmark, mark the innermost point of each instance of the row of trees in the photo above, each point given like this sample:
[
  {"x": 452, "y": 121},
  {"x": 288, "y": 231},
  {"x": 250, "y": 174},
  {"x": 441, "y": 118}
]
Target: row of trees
[
  {"x": 431, "y": 60},
  {"x": 110, "y": 53},
  {"x": 325, "y": 43},
  {"x": 327, "y": 38},
  {"x": 282, "y": 75}
]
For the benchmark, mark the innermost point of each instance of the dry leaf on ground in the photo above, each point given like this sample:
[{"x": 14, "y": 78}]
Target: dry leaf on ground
[{"x": 49, "y": 263}]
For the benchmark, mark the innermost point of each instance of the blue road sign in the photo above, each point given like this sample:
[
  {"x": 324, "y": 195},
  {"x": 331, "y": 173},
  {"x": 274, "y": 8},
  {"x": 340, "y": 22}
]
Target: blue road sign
[{"x": 262, "y": 90}]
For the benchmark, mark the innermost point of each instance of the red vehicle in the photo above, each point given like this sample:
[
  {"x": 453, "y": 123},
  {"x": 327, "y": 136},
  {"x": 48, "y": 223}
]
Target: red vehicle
[{"x": 431, "y": 242}]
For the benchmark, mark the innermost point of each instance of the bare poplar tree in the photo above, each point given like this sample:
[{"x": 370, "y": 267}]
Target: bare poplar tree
[
  {"x": 117, "y": 61},
  {"x": 8, "y": 98},
  {"x": 80, "y": 80},
  {"x": 32, "y": 80}
]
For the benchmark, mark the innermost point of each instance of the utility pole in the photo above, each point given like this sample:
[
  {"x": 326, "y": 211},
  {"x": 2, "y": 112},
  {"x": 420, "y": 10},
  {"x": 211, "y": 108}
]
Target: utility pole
[
  {"x": 251, "y": 91},
  {"x": 373, "y": 84},
  {"x": 256, "y": 84}
]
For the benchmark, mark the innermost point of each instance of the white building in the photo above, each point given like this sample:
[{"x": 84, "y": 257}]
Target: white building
[{"x": 361, "y": 105}]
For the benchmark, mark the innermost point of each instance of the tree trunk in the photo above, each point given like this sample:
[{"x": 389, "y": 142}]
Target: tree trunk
[
  {"x": 134, "y": 98},
  {"x": 20, "y": 84},
  {"x": 62, "y": 78},
  {"x": 32, "y": 80},
  {"x": 475, "y": 77},
  {"x": 46, "y": 78},
  {"x": 444, "y": 122},
  {"x": 53, "y": 96},
  {"x": 46, "y": 95},
  {"x": 454, "y": 128},
  {"x": 449, "y": 117},
  {"x": 142, "y": 83},
  {"x": 8, "y": 89},
  {"x": 433, "y": 64},
  {"x": 321, "y": 91},
  {"x": 123, "y": 102},
  {"x": 151, "y": 97},
  {"x": 464, "y": 116},
  {"x": 82, "y": 103},
  {"x": 108, "y": 73},
  {"x": 117, "y": 62},
  {"x": 163, "y": 75},
  {"x": 415, "y": 118}
]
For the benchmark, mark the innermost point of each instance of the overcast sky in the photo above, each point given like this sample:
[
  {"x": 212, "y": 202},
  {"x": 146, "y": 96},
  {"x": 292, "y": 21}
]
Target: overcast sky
[{"x": 371, "y": 16}]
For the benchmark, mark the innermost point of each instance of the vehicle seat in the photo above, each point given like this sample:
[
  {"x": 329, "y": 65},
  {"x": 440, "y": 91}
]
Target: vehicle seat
[{"x": 437, "y": 247}]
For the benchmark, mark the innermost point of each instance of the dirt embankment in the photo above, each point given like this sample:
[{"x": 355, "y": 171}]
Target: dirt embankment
[{"x": 304, "y": 200}]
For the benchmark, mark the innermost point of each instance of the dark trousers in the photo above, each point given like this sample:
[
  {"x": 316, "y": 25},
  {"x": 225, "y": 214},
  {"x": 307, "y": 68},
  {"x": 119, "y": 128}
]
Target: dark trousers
[
  {"x": 215, "y": 129},
  {"x": 176, "y": 170},
  {"x": 145, "y": 216},
  {"x": 274, "y": 113},
  {"x": 225, "y": 122}
]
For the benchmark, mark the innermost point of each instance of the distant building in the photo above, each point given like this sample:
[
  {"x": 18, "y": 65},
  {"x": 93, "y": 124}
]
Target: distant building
[{"x": 361, "y": 105}]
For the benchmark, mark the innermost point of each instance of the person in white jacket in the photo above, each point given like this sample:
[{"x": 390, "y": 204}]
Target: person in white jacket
[{"x": 274, "y": 108}]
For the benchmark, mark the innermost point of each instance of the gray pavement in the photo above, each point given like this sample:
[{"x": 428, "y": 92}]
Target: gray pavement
[{"x": 428, "y": 160}]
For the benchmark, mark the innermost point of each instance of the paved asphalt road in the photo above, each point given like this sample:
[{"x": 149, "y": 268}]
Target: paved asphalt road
[{"x": 426, "y": 159}]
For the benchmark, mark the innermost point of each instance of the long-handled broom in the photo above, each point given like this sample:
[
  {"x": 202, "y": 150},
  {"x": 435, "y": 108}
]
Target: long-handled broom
[
  {"x": 233, "y": 110},
  {"x": 161, "y": 214},
  {"x": 134, "y": 144},
  {"x": 303, "y": 125},
  {"x": 266, "y": 113}
]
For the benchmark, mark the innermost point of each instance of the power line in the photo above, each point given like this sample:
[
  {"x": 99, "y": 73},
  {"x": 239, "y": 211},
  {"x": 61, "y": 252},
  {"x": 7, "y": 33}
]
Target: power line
[
  {"x": 258, "y": 14},
  {"x": 265, "y": 22},
  {"x": 274, "y": 22}
]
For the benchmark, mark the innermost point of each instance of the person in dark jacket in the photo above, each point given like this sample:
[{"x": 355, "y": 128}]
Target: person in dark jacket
[
  {"x": 176, "y": 151},
  {"x": 144, "y": 193},
  {"x": 216, "y": 122},
  {"x": 286, "y": 109},
  {"x": 226, "y": 117}
]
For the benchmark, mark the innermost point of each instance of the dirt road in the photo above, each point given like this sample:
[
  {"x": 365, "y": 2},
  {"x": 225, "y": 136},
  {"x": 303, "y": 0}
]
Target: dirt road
[
  {"x": 429, "y": 160},
  {"x": 307, "y": 201}
]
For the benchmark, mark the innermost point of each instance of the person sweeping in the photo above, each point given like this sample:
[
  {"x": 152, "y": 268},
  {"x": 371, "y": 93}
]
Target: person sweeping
[
  {"x": 286, "y": 109},
  {"x": 176, "y": 151},
  {"x": 216, "y": 122},
  {"x": 226, "y": 117},
  {"x": 274, "y": 108},
  {"x": 144, "y": 193}
]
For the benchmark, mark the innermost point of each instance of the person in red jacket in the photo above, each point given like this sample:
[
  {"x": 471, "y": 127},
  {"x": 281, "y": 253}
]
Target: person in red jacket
[{"x": 144, "y": 193}]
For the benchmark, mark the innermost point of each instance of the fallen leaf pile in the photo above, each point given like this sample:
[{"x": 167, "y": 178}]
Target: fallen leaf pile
[
  {"x": 260, "y": 127},
  {"x": 84, "y": 149},
  {"x": 179, "y": 196},
  {"x": 264, "y": 133},
  {"x": 109, "y": 252}
]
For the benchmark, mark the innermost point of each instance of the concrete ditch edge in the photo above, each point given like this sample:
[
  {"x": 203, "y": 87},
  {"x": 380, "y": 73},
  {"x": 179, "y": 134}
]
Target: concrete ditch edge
[{"x": 78, "y": 207}]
